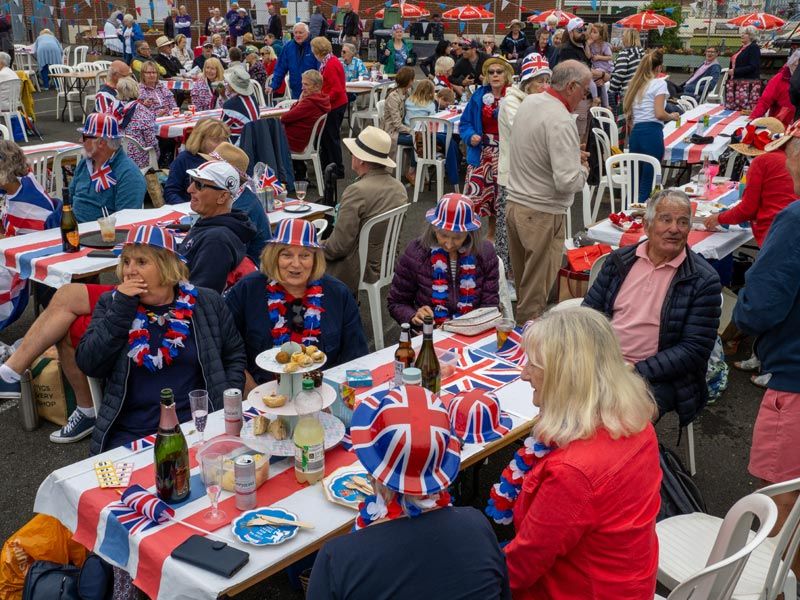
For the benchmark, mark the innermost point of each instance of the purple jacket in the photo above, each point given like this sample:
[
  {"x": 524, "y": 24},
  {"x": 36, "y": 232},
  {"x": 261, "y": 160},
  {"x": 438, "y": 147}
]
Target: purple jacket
[{"x": 413, "y": 275}]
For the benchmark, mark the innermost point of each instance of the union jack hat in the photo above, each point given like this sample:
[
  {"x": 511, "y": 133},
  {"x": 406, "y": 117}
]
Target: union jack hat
[
  {"x": 150, "y": 235},
  {"x": 295, "y": 232},
  {"x": 454, "y": 213},
  {"x": 534, "y": 65},
  {"x": 475, "y": 417},
  {"x": 402, "y": 437},
  {"x": 101, "y": 125}
]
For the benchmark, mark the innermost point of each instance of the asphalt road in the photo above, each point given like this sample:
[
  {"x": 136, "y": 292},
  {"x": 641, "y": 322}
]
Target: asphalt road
[{"x": 722, "y": 432}]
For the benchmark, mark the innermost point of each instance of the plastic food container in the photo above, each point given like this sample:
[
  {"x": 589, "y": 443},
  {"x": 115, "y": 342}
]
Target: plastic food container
[{"x": 232, "y": 447}]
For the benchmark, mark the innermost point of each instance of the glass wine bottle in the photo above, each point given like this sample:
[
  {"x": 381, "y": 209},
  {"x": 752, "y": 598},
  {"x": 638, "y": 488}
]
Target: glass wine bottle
[
  {"x": 70, "y": 238},
  {"x": 427, "y": 361},
  {"x": 404, "y": 355},
  {"x": 171, "y": 453}
]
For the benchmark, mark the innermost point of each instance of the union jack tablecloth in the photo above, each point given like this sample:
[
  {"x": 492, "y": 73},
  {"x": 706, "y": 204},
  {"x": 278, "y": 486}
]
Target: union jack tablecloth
[
  {"x": 179, "y": 84},
  {"x": 54, "y": 147},
  {"x": 72, "y": 496},
  {"x": 454, "y": 116},
  {"x": 38, "y": 256},
  {"x": 722, "y": 123},
  {"x": 174, "y": 127}
]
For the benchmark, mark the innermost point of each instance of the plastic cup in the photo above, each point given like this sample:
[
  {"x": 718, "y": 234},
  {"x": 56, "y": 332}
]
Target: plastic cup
[
  {"x": 107, "y": 231},
  {"x": 176, "y": 112},
  {"x": 504, "y": 328},
  {"x": 448, "y": 363}
]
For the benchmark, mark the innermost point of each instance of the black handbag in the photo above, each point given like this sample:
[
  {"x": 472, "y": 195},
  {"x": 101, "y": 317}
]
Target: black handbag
[
  {"x": 679, "y": 493},
  {"x": 47, "y": 580}
]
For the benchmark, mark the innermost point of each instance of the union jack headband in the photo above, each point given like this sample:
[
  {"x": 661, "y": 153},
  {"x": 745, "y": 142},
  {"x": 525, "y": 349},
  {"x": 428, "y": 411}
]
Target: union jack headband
[
  {"x": 295, "y": 232},
  {"x": 101, "y": 125}
]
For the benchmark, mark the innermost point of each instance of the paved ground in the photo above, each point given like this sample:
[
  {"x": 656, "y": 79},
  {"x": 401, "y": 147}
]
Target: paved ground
[{"x": 722, "y": 432}]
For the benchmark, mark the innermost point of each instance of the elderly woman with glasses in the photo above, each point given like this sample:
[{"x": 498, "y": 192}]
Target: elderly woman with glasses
[
  {"x": 182, "y": 52},
  {"x": 292, "y": 299},
  {"x": 744, "y": 87},
  {"x": 136, "y": 122},
  {"x": 480, "y": 131},
  {"x": 153, "y": 93},
  {"x": 255, "y": 67},
  {"x": 584, "y": 492}
]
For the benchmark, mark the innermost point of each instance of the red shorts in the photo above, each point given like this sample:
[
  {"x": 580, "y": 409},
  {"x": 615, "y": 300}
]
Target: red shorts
[
  {"x": 81, "y": 324},
  {"x": 774, "y": 455}
]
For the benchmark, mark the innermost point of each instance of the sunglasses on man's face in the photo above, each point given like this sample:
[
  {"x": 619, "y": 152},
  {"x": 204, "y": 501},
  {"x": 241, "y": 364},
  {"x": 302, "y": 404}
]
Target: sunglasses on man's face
[
  {"x": 580, "y": 30},
  {"x": 201, "y": 185},
  {"x": 88, "y": 137}
]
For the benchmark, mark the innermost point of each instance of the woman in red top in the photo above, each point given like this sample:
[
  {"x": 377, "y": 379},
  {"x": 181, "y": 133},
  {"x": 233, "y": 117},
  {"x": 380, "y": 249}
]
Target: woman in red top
[
  {"x": 300, "y": 119},
  {"x": 586, "y": 512},
  {"x": 333, "y": 84},
  {"x": 775, "y": 101},
  {"x": 270, "y": 60}
]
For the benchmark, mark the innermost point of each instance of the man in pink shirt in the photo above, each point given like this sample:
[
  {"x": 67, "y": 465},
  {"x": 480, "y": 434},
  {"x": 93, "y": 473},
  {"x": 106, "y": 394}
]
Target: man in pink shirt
[{"x": 663, "y": 300}]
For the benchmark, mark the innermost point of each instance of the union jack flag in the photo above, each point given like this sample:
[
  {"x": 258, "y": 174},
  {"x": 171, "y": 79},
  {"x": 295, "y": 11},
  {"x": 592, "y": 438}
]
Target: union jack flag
[
  {"x": 103, "y": 178},
  {"x": 512, "y": 350},
  {"x": 476, "y": 370},
  {"x": 145, "y": 442},
  {"x": 402, "y": 436},
  {"x": 269, "y": 179},
  {"x": 139, "y": 510}
]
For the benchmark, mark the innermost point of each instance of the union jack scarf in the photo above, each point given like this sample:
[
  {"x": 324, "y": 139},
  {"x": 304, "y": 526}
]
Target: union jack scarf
[{"x": 103, "y": 177}]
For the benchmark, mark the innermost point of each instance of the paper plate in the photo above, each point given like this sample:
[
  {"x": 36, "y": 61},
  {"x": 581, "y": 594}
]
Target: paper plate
[
  {"x": 297, "y": 208},
  {"x": 257, "y": 394},
  {"x": 334, "y": 432},
  {"x": 264, "y": 535},
  {"x": 335, "y": 490},
  {"x": 266, "y": 360}
]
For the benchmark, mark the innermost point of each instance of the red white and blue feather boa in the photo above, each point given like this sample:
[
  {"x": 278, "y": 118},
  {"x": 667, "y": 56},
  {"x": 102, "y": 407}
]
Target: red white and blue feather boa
[
  {"x": 276, "y": 307},
  {"x": 375, "y": 508},
  {"x": 504, "y": 494},
  {"x": 440, "y": 261},
  {"x": 172, "y": 340}
]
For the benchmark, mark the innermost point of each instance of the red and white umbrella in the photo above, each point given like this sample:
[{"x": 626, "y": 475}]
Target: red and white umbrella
[
  {"x": 563, "y": 17},
  {"x": 408, "y": 11},
  {"x": 467, "y": 13},
  {"x": 759, "y": 20},
  {"x": 647, "y": 20}
]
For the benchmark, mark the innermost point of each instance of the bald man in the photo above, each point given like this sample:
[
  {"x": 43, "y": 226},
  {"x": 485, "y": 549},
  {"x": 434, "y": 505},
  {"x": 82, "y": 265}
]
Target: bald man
[{"x": 105, "y": 100}]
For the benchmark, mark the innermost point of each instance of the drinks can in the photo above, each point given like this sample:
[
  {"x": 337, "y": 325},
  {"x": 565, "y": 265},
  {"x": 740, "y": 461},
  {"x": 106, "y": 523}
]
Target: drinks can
[
  {"x": 678, "y": 122},
  {"x": 244, "y": 477},
  {"x": 232, "y": 408},
  {"x": 176, "y": 112},
  {"x": 193, "y": 109}
]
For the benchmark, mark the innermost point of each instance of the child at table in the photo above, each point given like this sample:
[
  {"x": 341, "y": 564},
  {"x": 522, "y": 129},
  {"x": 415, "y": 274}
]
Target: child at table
[
  {"x": 445, "y": 97},
  {"x": 421, "y": 102}
]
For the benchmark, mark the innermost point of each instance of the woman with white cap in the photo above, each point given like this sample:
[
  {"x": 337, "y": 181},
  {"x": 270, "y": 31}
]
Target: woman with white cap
[
  {"x": 515, "y": 43},
  {"x": 409, "y": 541},
  {"x": 534, "y": 78},
  {"x": 241, "y": 107},
  {"x": 156, "y": 330},
  {"x": 397, "y": 53},
  {"x": 291, "y": 298},
  {"x": 448, "y": 271}
]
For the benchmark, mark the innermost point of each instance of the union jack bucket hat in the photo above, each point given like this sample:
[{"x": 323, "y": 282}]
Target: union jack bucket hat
[
  {"x": 402, "y": 437},
  {"x": 454, "y": 213},
  {"x": 534, "y": 65},
  {"x": 475, "y": 417},
  {"x": 295, "y": 232},
  {"x": 100, "y": 125},
  {"x": 151, "y": 235}
]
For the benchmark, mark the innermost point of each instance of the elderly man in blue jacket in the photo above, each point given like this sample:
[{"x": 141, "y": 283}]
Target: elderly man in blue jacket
[
  {"x": 295, "y": 59},
  {"x": 664, "y": 304}
]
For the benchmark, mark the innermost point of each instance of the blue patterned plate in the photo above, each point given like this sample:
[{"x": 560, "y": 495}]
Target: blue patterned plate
[
  {"x": 264, "y": 535},
  {"x": 335, "y": 490}
]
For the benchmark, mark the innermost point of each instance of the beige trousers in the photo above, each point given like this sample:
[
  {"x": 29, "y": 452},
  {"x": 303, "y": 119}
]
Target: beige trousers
[{"x": 536, "y": 245}]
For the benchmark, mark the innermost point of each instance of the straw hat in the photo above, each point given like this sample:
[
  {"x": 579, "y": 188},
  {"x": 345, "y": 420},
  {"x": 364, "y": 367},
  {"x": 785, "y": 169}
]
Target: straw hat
[
  {"x": 757, "y": 135},
  {"x": 516, "y": 22},
  {"x": 233, "y": 155},
  {"x": 498, "y": 60},
  {"x": 793, "y": 131},
  {"x": 372, "y": 145},
  {"x": 163, "y": 41}
]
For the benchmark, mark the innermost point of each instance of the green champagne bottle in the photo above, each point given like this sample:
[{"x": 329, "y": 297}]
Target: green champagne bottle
[
  {"x": 171, "y": 453},
  {"x": 427, "y": 361}
]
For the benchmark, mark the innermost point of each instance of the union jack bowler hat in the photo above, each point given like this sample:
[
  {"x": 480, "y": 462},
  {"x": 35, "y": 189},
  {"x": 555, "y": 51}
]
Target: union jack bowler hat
[
  {"x": 534, "y": 65},
  {"x": 402, "y": 437},
  {"x": 295, "y": 232},
  {"x": 454, "y": 213},
  {"x": 150, "y": 235},
  {"x": 101, "y": 125},
  {"x": 475, "y": 417}
]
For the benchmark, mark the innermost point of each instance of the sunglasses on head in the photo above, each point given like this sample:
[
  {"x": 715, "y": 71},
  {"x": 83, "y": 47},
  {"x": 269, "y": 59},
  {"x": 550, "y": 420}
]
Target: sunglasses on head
[{"x": 201, "y": 185}]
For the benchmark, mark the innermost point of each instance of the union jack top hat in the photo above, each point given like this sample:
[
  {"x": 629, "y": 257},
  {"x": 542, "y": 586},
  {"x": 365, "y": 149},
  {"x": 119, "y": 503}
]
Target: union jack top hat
[
  {"x": 101, "y": 125},
  {"x": 534, "y": 65},
  {"x": 476, "y": 418},
  {"x": 296, "y": 232},
  {"x": 402, "y": 437},
  {"x": 150, "y": 235},
  {"x": 454, "y": 213}
]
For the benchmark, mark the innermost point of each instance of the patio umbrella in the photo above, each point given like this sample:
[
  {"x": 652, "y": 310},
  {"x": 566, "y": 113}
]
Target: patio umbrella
[
  {"x": 647, "y": 20},
  {"x": 468, "y": 13},
  {"x": 563, "y": 17},
  {"x": 407, "y": 11},
  {"x": 759, "y": 20}
]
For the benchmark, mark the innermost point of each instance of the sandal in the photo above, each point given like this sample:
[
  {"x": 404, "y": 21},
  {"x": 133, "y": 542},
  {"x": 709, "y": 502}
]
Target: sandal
[
  {"x": 751, "y": 364},
  {"x": 761, "y": 380}
]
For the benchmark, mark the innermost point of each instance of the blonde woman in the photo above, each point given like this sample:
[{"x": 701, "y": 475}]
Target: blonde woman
[
  {"x": 587, "y": 502},
  {"x": 645, "y": 110},
  {"x": 444, "y": 70},
  {"x": 205, "y": 137},
  {"x": 208, "y": 89},
  {"x": 182, "y": 52},
  {"x": 218, "y": 48}
]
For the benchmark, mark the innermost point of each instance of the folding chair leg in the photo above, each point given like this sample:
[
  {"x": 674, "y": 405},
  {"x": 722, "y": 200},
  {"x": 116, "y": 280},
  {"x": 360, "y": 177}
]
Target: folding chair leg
[
  {"x": 690, "y": 438},
  {"x": 439, "y": 179},
  {"x": 374, "y": 296},
  {"x": 418, "y": 181}
]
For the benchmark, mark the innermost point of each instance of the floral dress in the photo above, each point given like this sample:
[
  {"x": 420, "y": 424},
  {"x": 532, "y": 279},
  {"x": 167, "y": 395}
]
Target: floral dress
[
  {"x": 158, "y": 99},
  {"x": 137, "y": 122},
  {"x": 481, "y": 184},
  {"x": 203, "y": 97}
]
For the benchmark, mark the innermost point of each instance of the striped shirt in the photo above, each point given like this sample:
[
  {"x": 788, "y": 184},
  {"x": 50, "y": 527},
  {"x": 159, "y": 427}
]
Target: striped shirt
[{"x": 624, "y": 67}]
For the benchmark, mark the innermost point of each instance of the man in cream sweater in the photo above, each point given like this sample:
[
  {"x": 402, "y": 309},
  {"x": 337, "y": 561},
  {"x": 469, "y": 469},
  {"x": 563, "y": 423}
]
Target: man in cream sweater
[{"x": 547, "y": 168}]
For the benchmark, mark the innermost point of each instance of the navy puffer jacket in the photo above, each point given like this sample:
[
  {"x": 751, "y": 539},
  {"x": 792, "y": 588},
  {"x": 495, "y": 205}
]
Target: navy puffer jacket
[
  {"x": 103, "y": 353},
  {"x": 689, "y": 322},
  {"x": 413, "y": 279}
]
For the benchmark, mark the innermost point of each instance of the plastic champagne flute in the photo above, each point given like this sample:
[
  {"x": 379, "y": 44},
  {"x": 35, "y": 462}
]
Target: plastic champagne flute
[
  {"x": 198, "y": 401},
  {"x": 212, "y": 477},
  {"x": 300, "y": 187}
]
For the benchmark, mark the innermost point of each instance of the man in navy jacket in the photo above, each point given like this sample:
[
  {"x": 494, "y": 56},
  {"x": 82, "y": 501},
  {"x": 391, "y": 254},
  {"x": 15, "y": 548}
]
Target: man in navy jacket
[
  {"x": 664, "y": 304},
  {"x": 295, "y": 59}
]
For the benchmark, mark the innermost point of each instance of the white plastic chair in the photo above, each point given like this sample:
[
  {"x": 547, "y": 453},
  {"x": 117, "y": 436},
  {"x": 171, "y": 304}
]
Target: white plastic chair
[
  {"x": 627, "y": 165},
  {"x": 393, "y": 221},
  {"x": 258, "y": 92},
  {"x": 718, "y": 93},
  {"x": 370, "y": 113},
  {"x": 718, "y": 580},
  {"x": 311, "y": 151},
  {"x": 89, "y": 98},
  {"x": 606, "y": 119},
  {"x": 152, "y": 156},
  {"x": 320, "y": 225},
  {"x": 286, "y": 103},
  {"x": 38, "y": 163},
  {"x": 429, "y": 128},
  {"x": 103, "y": 65},
  {"x": 62, "y": 86},
  {"x": 58, "y": 172},
  {"x": 11, "y": 90},
  {"x": 702, "y": 89},
  {"x": 65, "y": 52},
  {"x": 4, "y": 134},
  {"x": 687, "y": 102},
  {"x": 379, "y": 108},
  {"x": 79, "y": 54},
  {"x": 689, "y": 539},
  {"x": 603, "y": 146},
  {"x": 27, "y": 63}
]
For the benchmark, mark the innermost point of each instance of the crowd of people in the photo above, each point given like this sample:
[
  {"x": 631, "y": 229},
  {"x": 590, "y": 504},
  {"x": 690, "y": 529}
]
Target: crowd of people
[{"x": 586, "y": 483}]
